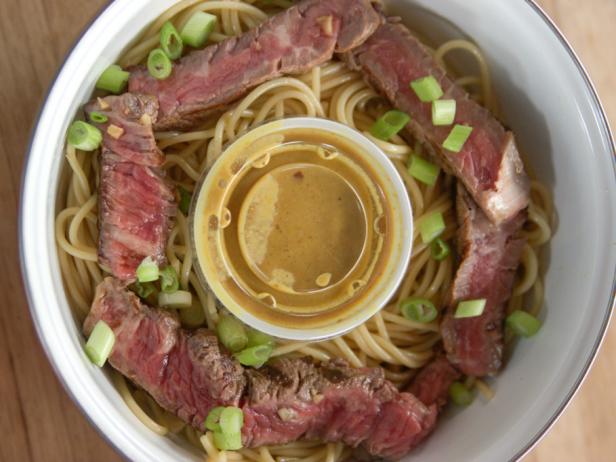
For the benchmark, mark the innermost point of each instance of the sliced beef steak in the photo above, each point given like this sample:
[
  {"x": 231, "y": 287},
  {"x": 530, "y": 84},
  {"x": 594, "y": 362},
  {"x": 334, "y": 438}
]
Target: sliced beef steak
[
  {"x": 128, "y": 131},
  {"x": 431, "y": 385},
  {"x": 187, "y": 373},
  {"x": 489, "y": 164},
  {"x": 135, "y": 204},
  {"x": 291, "y": 399},
  {"x": 490, "y": 256},
  {"x": 291, "y": 42}
]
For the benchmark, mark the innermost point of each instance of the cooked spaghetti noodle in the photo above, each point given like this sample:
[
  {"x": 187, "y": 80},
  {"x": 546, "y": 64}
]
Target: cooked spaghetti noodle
[{"x": 331, "y": 90}]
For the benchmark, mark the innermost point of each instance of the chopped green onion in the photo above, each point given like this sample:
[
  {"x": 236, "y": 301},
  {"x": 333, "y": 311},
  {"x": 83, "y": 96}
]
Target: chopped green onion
[
  {"x": 84, "y": 136},
  {"x": 231, "y": 420},
  {"x": 185, "y": 199},
  {"x": 147, "y": 271},
  {"x": 431, "y": 227},
  {"x": 231, "y": 333},
  {"x": 100, "y": 343},
  {"x": 254, "y": 356},
  {"x": 159, "y": 64},
  {"x": 439, "y": 249},
  {"x": 389, "y": 124},
  {"x": 192, "y": 316},
  {"x": 144, "y": 289},
  {"x": 169, "y": 281},
  {"x": 98, "y": 117},
  {"x": 418, "y": 309},
  {"x": 457, "y": 137},
  {"x": 212, "y": 421},
  {"x": 198, "y": 28},
  {"x": 470, "y": 308},
  {"x": 427, "y": 89},
  {"x": 523, "y": 323},
  {"x": 178, "y": 299},
  {"x": 228, "y": 441},
  {"x": 256, "y": 338},
  {"x": 113, "y": 79},
  {"x": 460, "y": 394},
  {"x": 443, "y": 111},
  {"x": 170, "y": 41},
  {"x": 226, "y": 423},
  {"x": 424, "y": 171}
]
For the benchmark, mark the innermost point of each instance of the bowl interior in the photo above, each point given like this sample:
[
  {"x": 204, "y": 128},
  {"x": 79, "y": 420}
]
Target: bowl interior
[{"x": 545, "y": 99}]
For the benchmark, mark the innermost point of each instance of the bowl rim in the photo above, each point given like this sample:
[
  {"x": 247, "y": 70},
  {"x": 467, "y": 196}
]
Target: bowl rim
[{"x": 606, "y": 133}]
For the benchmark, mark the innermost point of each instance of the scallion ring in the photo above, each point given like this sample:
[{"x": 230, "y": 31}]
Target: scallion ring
[
  {"x": 169, "y": 281},
  {"x": 523, "y": 323},
  {"x": 100, "y": 343},
  {"x": 470, "y": 308},
  {"x": 443, "y": 111},
  {"x": 254, "y": 356},
  {"x": 212, "y": 421},
  {"x": 427, "y": 89},
  {"x": 422, "y": 170},
  {"x": 460, "y": 394},
  {"x": 113, "y": 79},
  {"x": 418, "y": 309},
  {"x": 159, "y": 64},
  {"x": 84, "y": 136},
  {"x": 431, "y": 226},
  {"x": 457, "y": 138},
  {"x": 389, "y": 124},
  {"x": 177, "y": 299},
  {"x": 439, "y": 249},
  {"x": 147, "y": 271},
  {"x": 198, "y": 28},
  {"x": 170, "y": 41},
  {"x": 98, "y": 117},
  {"x": 231, "y": 333}
]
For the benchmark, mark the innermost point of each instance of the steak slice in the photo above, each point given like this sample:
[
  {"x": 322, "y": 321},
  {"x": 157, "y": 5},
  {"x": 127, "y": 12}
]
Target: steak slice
[
  {"x": 187, "y": 373},
  {"x": 291, "y": 42},
  {"x": 133, "y": 116},
  {"x": 489, "y": 164},
  {"x": 295, "y": 398},
  {"x": 431, "y": 385},
  {"x": 135, "y": 203},
  {"x": 490, "y": 256}
]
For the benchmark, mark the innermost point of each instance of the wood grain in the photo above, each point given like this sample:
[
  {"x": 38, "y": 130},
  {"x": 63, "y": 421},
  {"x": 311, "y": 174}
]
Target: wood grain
[{"x": 38, "y": 421}]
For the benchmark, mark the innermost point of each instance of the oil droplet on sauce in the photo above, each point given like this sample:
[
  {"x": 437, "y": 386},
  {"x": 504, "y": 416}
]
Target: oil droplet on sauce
[{"x": 324, "y": 279}]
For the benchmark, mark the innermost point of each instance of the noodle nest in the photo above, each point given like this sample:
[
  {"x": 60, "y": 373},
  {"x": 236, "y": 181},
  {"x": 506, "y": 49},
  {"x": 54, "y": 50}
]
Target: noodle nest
[{"x": 331, "y": 90}]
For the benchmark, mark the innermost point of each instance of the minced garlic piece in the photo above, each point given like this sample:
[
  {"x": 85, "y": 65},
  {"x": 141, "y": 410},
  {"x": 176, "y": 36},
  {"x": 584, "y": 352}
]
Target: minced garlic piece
[
  {"x": 327, "y": 24},
  {"x": 145, "y": 119},
  {"x": 286, "y": 414},
  {"x": 115, "y": 131},
  {"x": 102, "y": 103}
]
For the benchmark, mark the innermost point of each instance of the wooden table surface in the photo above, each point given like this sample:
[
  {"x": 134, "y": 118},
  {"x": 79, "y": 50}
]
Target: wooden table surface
[{"x": 38, "y": 421}]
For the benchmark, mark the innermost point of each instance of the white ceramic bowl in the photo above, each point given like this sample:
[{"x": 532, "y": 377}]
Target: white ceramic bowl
[{"x": 549, "y": 102}]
